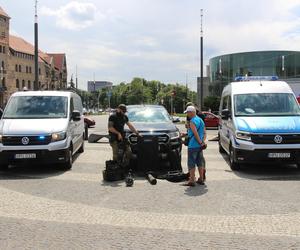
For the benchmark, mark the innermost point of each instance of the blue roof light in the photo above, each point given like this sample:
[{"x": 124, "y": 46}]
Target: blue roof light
[
  {"x": 255, "y": 78},
  {"x": 42, "y": 137}
]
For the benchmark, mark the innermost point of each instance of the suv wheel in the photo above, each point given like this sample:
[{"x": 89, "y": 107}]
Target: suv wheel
[{"x": 233, "y": 164}]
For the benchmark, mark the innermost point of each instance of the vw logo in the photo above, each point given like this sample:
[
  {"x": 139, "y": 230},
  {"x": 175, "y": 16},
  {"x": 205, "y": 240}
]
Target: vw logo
[
  {"x": 278, "y": 139},
  {"x": 25, "y": 140}
]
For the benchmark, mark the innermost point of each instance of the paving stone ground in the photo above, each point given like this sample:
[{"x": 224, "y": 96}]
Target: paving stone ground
[{"x": 43, "y": 208}]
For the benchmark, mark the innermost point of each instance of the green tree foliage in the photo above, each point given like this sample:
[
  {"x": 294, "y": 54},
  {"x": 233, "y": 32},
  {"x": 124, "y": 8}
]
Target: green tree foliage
[
  {"x": 141, "y": 91},
  {"x": 212, "y": 102}
]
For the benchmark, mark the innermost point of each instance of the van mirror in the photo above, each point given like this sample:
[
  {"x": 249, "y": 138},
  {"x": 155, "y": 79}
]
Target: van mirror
[
  {"x": 1, "y": 113},
  {"x": 225, "y": 114},
  {"x": 76, "y": 116}
]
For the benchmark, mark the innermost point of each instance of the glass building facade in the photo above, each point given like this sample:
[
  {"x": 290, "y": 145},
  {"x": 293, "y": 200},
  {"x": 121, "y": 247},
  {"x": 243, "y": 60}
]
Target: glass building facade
[{"x": 224, "y": 68}]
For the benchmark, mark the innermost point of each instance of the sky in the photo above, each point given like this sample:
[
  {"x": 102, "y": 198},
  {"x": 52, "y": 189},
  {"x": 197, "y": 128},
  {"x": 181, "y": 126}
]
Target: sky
[{"x": 117, "y": 40}]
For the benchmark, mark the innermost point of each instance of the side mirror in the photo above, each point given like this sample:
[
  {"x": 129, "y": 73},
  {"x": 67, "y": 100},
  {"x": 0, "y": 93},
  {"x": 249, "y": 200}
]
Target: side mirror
[
  {"x": 225, "y": 114},
  {"x": 1, "y": 113},
  {"x": 76, "y": 116}
]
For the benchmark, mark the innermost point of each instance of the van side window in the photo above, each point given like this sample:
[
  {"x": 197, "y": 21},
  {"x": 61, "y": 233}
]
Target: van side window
[
  {"x": 225, "y": 102},
  {"x": 229, "y": 104},
  {"x": 71, "y": 105},
  {"x": 78, "y": 104}
]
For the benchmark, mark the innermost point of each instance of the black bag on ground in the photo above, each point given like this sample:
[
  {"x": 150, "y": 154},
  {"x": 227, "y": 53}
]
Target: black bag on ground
[{"x": 113, "y": 171}]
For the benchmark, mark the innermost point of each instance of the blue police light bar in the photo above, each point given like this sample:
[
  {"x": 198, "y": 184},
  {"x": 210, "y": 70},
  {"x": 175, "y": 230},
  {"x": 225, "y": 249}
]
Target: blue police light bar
[
  {"x": 42, "y": 137},
  {"x": 255, "y": 78}
]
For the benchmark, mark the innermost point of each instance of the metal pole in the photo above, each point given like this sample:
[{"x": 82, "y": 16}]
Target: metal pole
[
  {"x": 201, "y": 64},
  {"x": 36, "y": 51},
  {"x": 76, "y": 78}
]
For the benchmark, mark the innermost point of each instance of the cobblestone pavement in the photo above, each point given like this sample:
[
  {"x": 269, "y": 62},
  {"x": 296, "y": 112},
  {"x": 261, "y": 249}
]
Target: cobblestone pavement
[{"x": 43, "y": 208}]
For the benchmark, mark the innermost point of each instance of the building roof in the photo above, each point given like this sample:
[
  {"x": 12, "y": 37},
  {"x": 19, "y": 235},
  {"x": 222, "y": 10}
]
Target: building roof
[
  {"x": 20, "y": 45},
  {"x": 59, "y": 60},
  {"x": 3, "y": 13}
]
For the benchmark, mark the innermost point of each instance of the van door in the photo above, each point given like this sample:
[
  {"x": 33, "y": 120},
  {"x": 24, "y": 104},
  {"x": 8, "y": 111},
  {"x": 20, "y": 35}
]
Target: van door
[{"x": 79, "y": 129}]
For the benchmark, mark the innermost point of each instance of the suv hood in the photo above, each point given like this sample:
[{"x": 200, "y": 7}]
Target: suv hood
[
  {"x": 282, "y": 124},
  {"x": 32, "y": 126},
  {"x": 153, "y": 127}
]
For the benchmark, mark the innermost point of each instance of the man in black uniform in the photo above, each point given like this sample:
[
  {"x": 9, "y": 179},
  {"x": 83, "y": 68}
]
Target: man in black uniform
[{"x": 116, "y": 123}]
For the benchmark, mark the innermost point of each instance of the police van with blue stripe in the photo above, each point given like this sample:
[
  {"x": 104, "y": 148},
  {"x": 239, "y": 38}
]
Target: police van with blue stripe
[{"x": 260, "y": 122}]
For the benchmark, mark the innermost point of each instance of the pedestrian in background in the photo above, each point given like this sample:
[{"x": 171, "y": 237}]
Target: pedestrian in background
[{"x": 196, "y": 143}]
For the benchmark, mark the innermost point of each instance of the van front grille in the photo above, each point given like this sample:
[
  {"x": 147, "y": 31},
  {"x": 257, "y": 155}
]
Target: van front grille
[
  {"x": 26, "y": 140},
  {"x": 270, "y": 139}
]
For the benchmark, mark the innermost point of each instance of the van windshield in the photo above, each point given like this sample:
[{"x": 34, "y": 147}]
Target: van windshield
[
  {"x": 36, "y": 107},
  {"x": 266, "y": 104}
]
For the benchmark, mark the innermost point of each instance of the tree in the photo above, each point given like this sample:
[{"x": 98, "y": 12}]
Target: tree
[{"x": 212, "y": 102}]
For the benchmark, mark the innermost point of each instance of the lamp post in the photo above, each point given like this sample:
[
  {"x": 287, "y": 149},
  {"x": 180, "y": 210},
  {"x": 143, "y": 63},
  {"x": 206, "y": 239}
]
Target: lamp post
[{"x": 36, "y": 50}]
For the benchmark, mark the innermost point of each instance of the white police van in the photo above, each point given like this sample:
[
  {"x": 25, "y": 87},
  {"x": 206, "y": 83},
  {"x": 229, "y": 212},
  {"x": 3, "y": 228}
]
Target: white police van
[
  {"x": 260, "y": 122},
  {"x": 43, "y": 127}
]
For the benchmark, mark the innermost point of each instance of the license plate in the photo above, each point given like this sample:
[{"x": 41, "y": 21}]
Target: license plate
[
  {"x": 279, "y": 155},
  {"x": 25, "y": 156}
]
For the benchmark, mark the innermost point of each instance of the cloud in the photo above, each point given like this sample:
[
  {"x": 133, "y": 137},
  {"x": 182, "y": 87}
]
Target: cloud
[{"x": 74, "y": 15}]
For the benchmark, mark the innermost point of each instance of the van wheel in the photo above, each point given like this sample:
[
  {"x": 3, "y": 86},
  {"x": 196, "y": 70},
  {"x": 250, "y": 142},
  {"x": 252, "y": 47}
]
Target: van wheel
[
  {"x": 69, "y": 163},
  {"x": 81, "y": 149},
  {"x": 221, "y": 149},
  {"x": 233, "y": 164}
]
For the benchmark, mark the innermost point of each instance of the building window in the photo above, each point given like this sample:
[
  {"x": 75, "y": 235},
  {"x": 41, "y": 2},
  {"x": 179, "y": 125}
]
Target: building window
[
  {"x": 30, "y": 70},
  {"x": 0, "y": 48},
  {"x": 17, "y": 84},
  {"x": 20, "y": 68},
  {"x": 23, "y": 83},
  {"x": 39, "y": 85},
  {"x": 3, "y": 82},
  {"x": 2, "y": 66},
  {"x": 39, "y": 71},
  {"x": 29, "y": 85},
  {"x": 3, "y": 49},
  {"x": 16, "y": 68},
  {"x": 26, "y": 69}
]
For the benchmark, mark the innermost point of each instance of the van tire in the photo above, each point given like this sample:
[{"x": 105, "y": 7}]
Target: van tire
[
  {"x": 233, "y": 164},
  {"x": 69, "y": 163},
  {"x": 81, "y": 149},
  {"x": 221, "y": 149}
]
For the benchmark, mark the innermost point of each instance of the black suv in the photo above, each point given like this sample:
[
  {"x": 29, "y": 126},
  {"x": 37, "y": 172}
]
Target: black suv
[{"x": 159, "y": 148}]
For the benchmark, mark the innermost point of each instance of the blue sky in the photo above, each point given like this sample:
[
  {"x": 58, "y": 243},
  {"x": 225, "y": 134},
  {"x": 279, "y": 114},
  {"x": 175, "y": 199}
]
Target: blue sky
[{"x": 155, "y": 39}]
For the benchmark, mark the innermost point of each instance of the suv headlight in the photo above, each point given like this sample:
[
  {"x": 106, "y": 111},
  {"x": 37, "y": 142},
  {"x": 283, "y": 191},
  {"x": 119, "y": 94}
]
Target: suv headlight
[
  {"x": 0, "y": 138},
  {"x": 174, "y": 135},
  {"x": 58, "y": 136},
  {"x": 243, "y": 136}
]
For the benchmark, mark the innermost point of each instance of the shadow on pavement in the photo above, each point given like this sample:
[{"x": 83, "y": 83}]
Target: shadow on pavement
[
  {"x": 33, "y": 171},
  {"x": 276, "y": 171},
  {"x": 196, "y": 191}
]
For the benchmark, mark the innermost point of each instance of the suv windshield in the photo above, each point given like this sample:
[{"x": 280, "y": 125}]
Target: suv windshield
[
  {"x": 266, "y": 104},
  {"x": 148, "y": 114},
  {"x": 34, "y": 107}
]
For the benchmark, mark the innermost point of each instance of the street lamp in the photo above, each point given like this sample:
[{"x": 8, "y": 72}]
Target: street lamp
[{"x": 36, "y": 50}]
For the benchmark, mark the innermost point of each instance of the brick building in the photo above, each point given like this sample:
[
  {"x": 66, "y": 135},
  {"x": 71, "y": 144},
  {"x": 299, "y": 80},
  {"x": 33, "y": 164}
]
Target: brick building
[{"x": 17, "y": 64}]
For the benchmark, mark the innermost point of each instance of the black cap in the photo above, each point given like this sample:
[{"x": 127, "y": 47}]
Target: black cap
[{"x": 122, "y": 107}]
